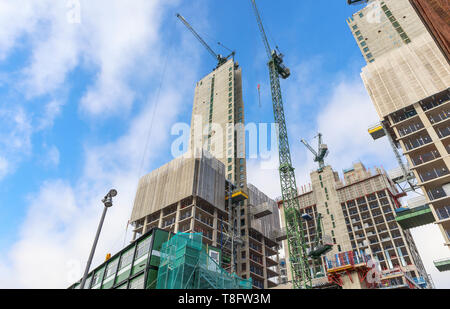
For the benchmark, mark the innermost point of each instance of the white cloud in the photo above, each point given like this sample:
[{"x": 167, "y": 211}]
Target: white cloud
[
  {"x": 3, "y": 167},
  {"x": 62, "y": 217},
  {"x": 112, "y": 39},
  {"x": 51, "y": 110},
  {"x": 15, "y": 137},
  {"x": 16, "y": 19},
  {"x": 52, "y": 157}
]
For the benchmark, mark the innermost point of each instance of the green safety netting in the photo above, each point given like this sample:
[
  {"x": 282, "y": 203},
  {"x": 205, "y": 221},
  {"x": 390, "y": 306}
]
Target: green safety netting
[{"x": 184, "y": 265}]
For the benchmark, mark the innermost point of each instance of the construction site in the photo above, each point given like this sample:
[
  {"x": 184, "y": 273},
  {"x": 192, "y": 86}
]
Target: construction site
[{"x": 198, "y": 224}]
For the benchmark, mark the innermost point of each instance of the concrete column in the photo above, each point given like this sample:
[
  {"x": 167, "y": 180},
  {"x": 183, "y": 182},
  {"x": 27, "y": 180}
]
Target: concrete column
[
  {"x": 160, "y": 219},
  {"x": 215, "y": 225},
  {"x": 177, "y": 217},
  {"x": 264, "y": 262},
  {"x": 144, "y": 228},
  {"x": 194, "y": 207}
]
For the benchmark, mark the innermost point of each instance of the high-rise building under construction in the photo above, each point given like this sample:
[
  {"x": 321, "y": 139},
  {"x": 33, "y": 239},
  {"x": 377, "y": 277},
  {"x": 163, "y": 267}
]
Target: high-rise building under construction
[
  {"x": 407, "y": 77},
  {"x": 206, "y": 190}
]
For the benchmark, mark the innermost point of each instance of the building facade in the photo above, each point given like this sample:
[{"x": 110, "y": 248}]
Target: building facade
[
  {"x": 408, "y": 79},
  {"x": 218, "y": 117},
  {"x": 358, "y": 216}
]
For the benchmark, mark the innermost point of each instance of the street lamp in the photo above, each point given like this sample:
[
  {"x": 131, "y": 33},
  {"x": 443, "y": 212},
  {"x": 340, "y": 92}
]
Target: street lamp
[{"x": 107, "y": 201}]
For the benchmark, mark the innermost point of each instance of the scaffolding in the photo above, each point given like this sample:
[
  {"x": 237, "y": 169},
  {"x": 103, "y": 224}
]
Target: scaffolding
[{"x": 185, "y": 264}]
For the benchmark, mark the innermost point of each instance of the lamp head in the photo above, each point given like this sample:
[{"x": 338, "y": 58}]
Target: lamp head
[
  {"x": 112, "y": 193},
  {"x": 107, "y": 200}
]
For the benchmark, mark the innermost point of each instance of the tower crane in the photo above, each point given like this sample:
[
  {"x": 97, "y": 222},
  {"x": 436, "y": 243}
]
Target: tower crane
[
  {"x": 220, "y": 59},
  {"x": 320, "y": 154},
  {"x": 298, "y": 258}
]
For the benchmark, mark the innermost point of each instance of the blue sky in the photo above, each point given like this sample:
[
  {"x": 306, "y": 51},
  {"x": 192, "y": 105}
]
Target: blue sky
[{"x": 79, "y": 103}]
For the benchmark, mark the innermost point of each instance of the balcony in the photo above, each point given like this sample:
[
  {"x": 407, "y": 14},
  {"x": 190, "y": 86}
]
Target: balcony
[
  {"x": 443, "y": 131},
  {"x": 435, "y": 101},
  {"x": 410, "y": 128},
  {"x": 436, "y": 193},
  {"x": 443, "y": 213},
  {"x": 440, "y": 117},
  {"x": 403, "y": 116},
  {"x": 425, "y": 157},
  {"x": 416, "y": 142},
  {"x": 433, "y": 173}
]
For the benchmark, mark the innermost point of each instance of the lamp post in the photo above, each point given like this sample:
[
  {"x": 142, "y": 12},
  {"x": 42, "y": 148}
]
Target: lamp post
[{"x": 107, "y": 201}]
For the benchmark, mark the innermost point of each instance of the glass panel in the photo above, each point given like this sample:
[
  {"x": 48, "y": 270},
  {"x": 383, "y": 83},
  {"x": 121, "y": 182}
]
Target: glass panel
[{"x": 137, "y": 283}]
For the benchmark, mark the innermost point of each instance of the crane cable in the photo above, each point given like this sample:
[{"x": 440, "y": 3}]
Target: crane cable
[{"x": 149, "y": 130}]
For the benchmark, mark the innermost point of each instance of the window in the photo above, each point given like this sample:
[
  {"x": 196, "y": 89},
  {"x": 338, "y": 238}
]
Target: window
[
  {"x": 230, "y": 160},
  {"x": 229, "y": 167},
  {"x": 358, "y": 32},
  {"x": 355, "y": 27},
  {"x": 230, "y": 117},
  {"x": 230, "y": 111},
  {"x": 363, "y": 43},
  {"x": 366, "y": 49},
  {"x": 126, "y": 259},
  {"x": 143, "y": 247},
  {"x": 241, "y": 161},
  {"x": 369, "y": 55},
  {"x": 361, "y": 14},
  {"x": 242, "y": 177},
  {"x": 339, "y": 248},
  {"x": 229, "y": 176},
  {"x": 111, "y": 268},
  {"x": 360, "y": 38},
  {"x": 96, "y": 278},
  {"x": 241, "y": 169}
]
